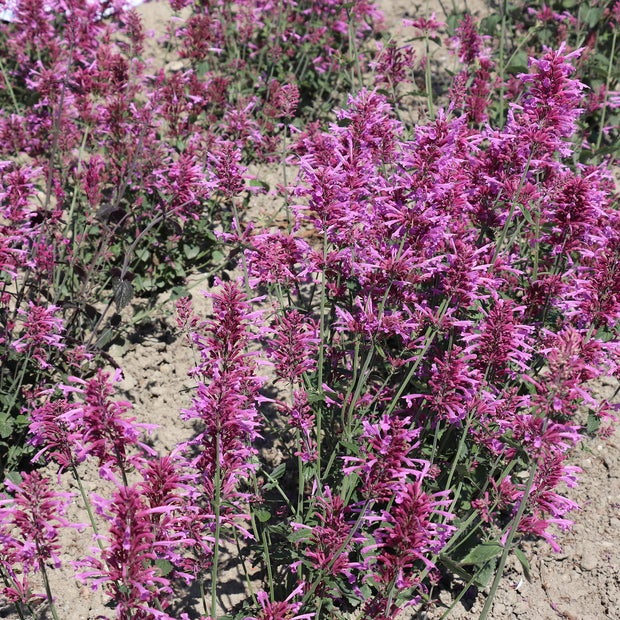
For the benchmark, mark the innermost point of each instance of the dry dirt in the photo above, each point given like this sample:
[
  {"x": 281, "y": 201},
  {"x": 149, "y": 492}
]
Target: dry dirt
[{"x": 580, "y": 583}]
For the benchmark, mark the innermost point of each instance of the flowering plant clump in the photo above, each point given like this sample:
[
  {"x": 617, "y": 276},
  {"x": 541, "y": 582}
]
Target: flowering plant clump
[
  {"x": 116, "y": 172},
  {"x": 417, "y": 340}
]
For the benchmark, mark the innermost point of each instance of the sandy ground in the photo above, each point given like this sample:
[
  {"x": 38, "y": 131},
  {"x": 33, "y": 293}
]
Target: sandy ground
[{"x": 580, "y": 583}]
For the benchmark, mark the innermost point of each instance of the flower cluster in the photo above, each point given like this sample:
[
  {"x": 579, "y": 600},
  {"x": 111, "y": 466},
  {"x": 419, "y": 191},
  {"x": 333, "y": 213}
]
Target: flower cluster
[{"x": 432, "y": 313}]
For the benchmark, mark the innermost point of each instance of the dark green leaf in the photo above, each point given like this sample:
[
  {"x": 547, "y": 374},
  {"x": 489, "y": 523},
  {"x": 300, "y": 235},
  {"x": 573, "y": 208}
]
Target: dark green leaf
[
  {"x": 6, "y": 427},
  {"x": 593, "y": 423},
  {"x": 278, "y": 472},
  {"x": 165, "y": 566},
  {"x": 123, "y": 293},
  {"x": 526, "y": 214},
  {"x": 483, "y": 577},
  {"x": 482, "y": 553},
  {"x": 15, "y": 477},
  {"x": 263, "y": 515},
  {"x": 190, "y": 251},
  {"x": 298, "y": 535},
  {"x": 594, "y": 16},
  {"x": 259, "y": 183},
  {"x": 143, "y": 254},
  {"x": 524, "y": 563},
  {"x": 315, "y": 397},
  {"x": 178, "y": 291}
]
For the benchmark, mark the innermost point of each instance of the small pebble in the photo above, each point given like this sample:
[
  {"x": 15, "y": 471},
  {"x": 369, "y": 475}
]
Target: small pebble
[{"x": 588, "y": 561}]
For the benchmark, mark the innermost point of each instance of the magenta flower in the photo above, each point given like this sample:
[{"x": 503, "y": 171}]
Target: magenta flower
[
  {"x": 536, "y": 436},
  {"x": 275, "y": 257},
  {"x": 394, "y": 65},
  {"x": 183, "y": 185},
  {"x": 410, "y": 536},
  {"x": 49, "y": 430},
  {"x": 99, "y": 428},
  {"x": 30, "y": 521},
  {"x": 424, "y": 25},
  {"x": 126, "y": 568},
  {"x": 226, "y": 403},
  {"x": 470, "y": 43},
  {"x": 280, "y": 610},
  {"x": 502, "y": 347},
  {"x": 179, "y": 526},
  {"x": 41, "y": 331},
  {"x": 385, "y": 461},
  {"x": 300, "y": 416},
  {"x": 326, "y": 545},
  {"x": 599, "y": 291},
  {"x": 454, "y": 385},
  {"x": 293, "y": 346},
  {"x": 548, "y": 112},
  {"x": 572, "y": 361}
]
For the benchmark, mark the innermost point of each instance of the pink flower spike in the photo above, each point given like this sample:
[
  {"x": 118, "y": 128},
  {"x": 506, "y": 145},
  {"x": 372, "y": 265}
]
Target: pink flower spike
[
  {"x": 40, "y": 331},
  {"x": 30, "y": 521},
  {"x": 430, "y": 25},
  {"x": 283, "y": 610}
]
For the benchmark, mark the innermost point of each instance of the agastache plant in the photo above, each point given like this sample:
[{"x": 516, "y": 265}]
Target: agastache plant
[
  {"x": 429, "y": 319},
  {"x": 29, "y": 527}
]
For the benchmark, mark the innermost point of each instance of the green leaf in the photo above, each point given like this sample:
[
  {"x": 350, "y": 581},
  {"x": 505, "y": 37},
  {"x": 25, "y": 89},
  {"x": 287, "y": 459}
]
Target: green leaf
[
  {"x": 209, "y": 234},
  {"x": 482, "y": 553},
  {"x": 454, "y": 567},
  {"x": 263, "y": 515},
  {"x": 278, "y": 472},
  {"x": 526, "y": 214},
  {"x": 15, "y": 477},
  {"x": 604, "y": 334},
  {"x": 484, "y": 576},
  {"x": 594, "y": 16},
  {"x": 593, "y": 423},
  {"x": 259, "y": 183},
  {"x": 123, "y": 293},
  {"x": 6, "y": 427},
  {"x": 190, "y": 251},
  {"x": 524, "y": 563},
  {"x": 298, "y": 535},
  {"x": 202, "y": 68},
  {"x": 515, "y": 69},
  {"x": 165, "y": 566},
  {"x": 178, "y": 291},
  {"x": 143, "y": 254},
  {"x": 489, "y": 24}
]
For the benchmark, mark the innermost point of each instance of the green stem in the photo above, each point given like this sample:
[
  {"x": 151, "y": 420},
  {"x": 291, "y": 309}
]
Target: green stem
[
  {"x": 216, "y": 548},
  {"x": 511, "y": 534},
  {"x": 245, "y": 570},
  {"x": 428, "y": 83},
  {"x": 300, "y": 473},
  {"x": 429, "y": 336},
  {"x": 321, "y": 361},
  {"x": 323, "y": 572},
  {"x": 607, "y": 82},
  {"x": 46, "y": 583},
  {"x": 9, "y": 86},
  {"x": 91, "y": 517},
  {"x": 10, "y": 583},
  {"x": 513, "y": 206},
  {"x": 203, "y": 597},
  {"x": 501, "y": 65},
  {"x": 353, "y": 50}
]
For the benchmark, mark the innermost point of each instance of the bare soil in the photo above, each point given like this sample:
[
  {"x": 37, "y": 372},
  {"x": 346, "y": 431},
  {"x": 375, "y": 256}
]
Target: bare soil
[{"x": 580, "y": 583}]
